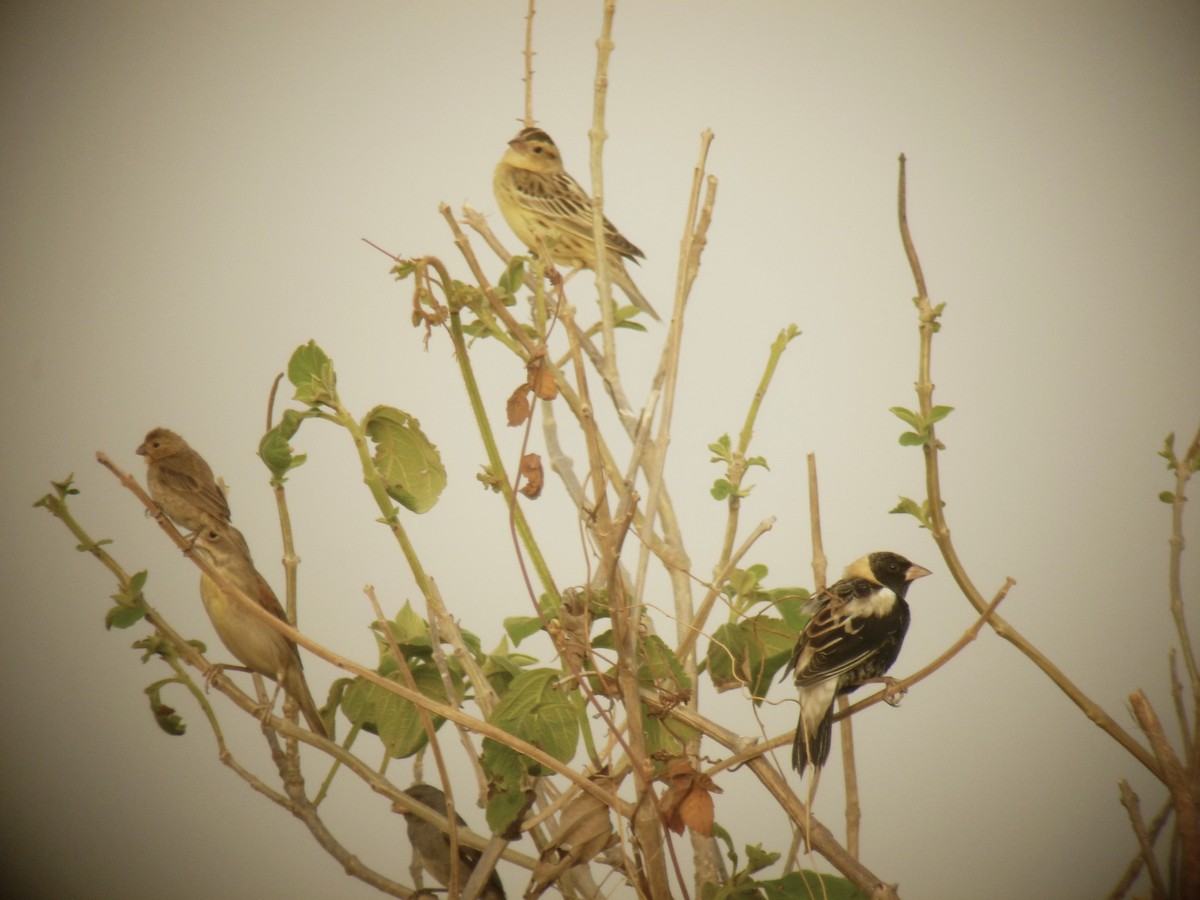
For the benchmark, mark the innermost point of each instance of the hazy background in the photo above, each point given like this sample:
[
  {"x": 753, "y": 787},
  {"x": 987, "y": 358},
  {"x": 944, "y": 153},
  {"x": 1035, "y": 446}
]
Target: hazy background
[{"x": 184, "y": 190}]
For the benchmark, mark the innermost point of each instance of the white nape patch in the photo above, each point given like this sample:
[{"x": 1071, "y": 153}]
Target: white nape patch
[{"x": 880, "y": 603}]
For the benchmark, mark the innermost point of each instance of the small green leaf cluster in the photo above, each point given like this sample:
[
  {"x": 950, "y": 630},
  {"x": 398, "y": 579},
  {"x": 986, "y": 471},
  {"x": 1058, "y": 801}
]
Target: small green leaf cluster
[
  {"x": 909, "y": 507},
  {"x": 736, "y": 466},
  {"x": 922, "y": 426}
]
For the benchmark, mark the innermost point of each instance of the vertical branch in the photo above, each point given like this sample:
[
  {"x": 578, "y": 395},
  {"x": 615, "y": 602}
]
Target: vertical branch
[
  {"x": 1187, "y": 816},
  {"x": 528, "y": 79},
  {"x": 845, "y": 726},
  {"x": 819, "y": 562},
  {"x": 928, "y": 316},
  {"x": 850, "y": 775},
  {"x": 609, "y": 534},
  {"x": 598, "y": 135},
  {"x": 1130, "y": 801},
  {"x": 1184, "y": 468}
]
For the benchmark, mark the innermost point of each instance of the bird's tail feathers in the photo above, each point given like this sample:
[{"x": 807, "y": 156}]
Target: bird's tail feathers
[
  {"x": 620, "y": 277},
  {"x": 812, "y": 744},
  {"x": 297, "y": 688}
]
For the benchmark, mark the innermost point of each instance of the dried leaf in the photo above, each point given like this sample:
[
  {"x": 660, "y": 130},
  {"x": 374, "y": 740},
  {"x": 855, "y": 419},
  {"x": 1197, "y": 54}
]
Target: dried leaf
[
  {"x": 542, "y": 382},
  {"x": 688, "y": 801},
  {"x": 584, "y": 829},
  {"x": 532, "y": 476},
  {"x": 518, "y": 407}
]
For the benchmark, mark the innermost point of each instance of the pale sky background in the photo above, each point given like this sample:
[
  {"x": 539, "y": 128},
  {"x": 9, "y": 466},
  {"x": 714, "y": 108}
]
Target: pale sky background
[{"x": 184, "y": 190}]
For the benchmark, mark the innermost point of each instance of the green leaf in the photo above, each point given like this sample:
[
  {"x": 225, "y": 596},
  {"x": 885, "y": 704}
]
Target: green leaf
[
  {"x": 406, "y": 460},
  {"x": 1168, "y": 451},
  {"x": 937, "y": 413},
  {"x": 507, "y": 798},
  {"x": 909, "y": 507},
  {"x": 908, "y": 416},
  {"x": 1167, "y": 497},
  {"x": 722, "y": 488},
  {"x": 789, "y": 603},
  {"x": 514, "y": 275},
  {"x": 164, "y": 716},
  {"x": 660, "y": 667},
  {"x": 311, "y": 372},
  {"x": 395, "y": 720},
  {"x": 407, "y": 627},
  {"x": 748, "y": 654},
  {"x": 722, "y": 449},
  {"x": 758, "y": 859},
  {"x": 758, "y": 461},
  {"x": 123, "y": 617},
  {"x": 520, "y": 627},
  {"x": 536, "y": 710},
  {"x": 810, "y": 884},
  {"x": 911, "y": 439},
  {"x": 275, "y": 448},
  {"x": 726, "y": 650},
  {"x": 665, "y": 738},
  {"x": 137, "y": 582}
]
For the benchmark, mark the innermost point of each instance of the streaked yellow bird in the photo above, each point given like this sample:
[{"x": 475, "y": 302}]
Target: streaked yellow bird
[
  {"x": 546, "y": 207},
  {"x": 255, "y": 644}
]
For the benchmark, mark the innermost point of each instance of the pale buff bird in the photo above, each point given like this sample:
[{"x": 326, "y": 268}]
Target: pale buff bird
[
  {"x": 256, "y": 645},
  {"x": 546, "y": 207},
  {"x": 181, "y": 482}
]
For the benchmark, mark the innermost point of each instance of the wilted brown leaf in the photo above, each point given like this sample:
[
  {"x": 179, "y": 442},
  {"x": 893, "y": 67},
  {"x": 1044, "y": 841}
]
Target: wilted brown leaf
[
  {"x": 532, "y": 476},
  {"x": 519, "y": 407},
  {"x": 688, "y": 800},
  {"x": 584, "y": 829},
  {"x": 542, "y": 382}
]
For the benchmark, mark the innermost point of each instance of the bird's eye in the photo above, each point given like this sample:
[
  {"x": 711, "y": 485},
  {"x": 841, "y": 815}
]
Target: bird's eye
[{"x": 538, "y": 150}]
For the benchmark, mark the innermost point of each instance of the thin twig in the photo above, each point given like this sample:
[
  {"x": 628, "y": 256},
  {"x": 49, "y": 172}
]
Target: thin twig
[
  {"x": 1130, "y": 801},
  {"x": 1135, "y": 865},
  {"x": 899, "y": 687},
  {"x": 529, "y": 54},
  {"x": 928, "y": 322},
  {"x": 1184, "y": 467},
  {"x": 1187, "y": 816}
]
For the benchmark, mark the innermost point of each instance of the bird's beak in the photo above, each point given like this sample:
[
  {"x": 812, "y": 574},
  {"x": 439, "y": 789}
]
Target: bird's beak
[
  {"x": 141, "y": 450},
  {"x": 914, "y": 572}
]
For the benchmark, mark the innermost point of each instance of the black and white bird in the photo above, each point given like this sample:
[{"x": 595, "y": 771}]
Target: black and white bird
[{"x": 853, "y": 637}]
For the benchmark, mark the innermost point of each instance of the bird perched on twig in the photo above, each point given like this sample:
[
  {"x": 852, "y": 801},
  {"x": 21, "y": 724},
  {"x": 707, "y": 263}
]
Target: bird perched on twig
[
  {"x": 256, "y": 645},
  {"x": 854, "y": 636},
  {"x": 432, "y": 846},
  {"x": 547, "y": 208},
  {"x": 182, "y": 483}
]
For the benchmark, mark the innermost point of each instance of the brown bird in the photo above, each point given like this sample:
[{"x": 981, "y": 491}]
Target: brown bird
[
  {"x": 256, "y": 645},
  {"x": 546, "y": 207},
  {"x": 182, "y": 483},
  {"x": 432, "y": 846}
]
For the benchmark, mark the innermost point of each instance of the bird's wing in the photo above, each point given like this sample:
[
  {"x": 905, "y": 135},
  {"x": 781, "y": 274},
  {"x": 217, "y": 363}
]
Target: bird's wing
[
  {"x": 205, "y": 495},
  {"x": 564, "y": 204},
  {"x": 834, "y": 641}
]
